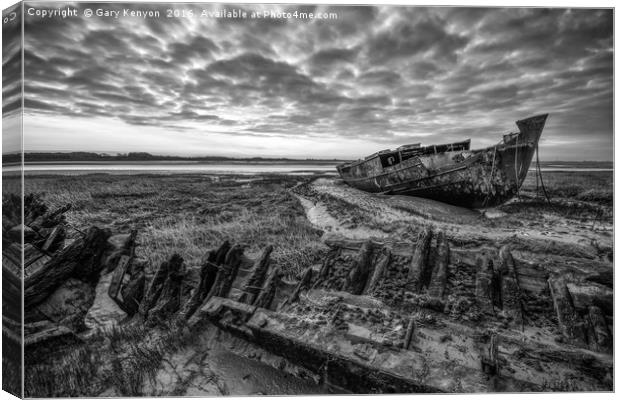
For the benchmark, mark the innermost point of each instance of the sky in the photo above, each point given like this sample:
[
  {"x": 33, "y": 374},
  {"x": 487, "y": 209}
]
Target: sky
[{"x": 370, "y": 79}]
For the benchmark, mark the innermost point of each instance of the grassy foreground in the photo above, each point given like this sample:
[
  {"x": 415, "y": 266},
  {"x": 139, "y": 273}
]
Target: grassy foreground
[
  {"x": 186, "y": 214},
  {"x": 190, "y": 214}
]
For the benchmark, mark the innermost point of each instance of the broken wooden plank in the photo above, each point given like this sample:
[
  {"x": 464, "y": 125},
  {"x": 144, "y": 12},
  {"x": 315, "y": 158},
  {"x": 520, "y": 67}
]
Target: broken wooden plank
[
  {"x": 81, "y": 260},
  {"x": 31, "y": 254},
  {"x": 602, "y": 339},
  {"x": 569, "y": 321},
  {"x": 169, "y": 300},
  {"x": 132, "y": 293},
  {"x": 511, "y": 297},
  {"x": 228, "y": 272},
  {"x": 117, "y": 277},
  {"x": 53, "y": 236},
  {"x": 356, "y": 279},
  {"x": 208, "y": 274},
  {"x": 484, "y": 276},
  {"x": 268, "y": 292},
  {"x": 409, "y": 334},
  {"x": 379, "y": 270},
  {"x": 439, "y": 278},
  {"x": 256, "y": 280},
  {"x": 489, "y": 357},
  {"x": 304, "y": 283},
  {"x": 419, "y": 260},
  {"x": 154, "y": 290}
]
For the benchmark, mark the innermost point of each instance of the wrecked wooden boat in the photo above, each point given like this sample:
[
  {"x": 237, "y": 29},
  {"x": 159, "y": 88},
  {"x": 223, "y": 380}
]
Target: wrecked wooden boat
[
  {"x": 404, "y": 317},
  {"x": 58, "y": 277},
  {"x": 451, "y": 173}
]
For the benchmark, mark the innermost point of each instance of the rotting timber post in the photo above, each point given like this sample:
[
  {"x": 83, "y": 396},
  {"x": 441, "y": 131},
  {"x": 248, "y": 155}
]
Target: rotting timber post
[{"x": 387, "y": 307}]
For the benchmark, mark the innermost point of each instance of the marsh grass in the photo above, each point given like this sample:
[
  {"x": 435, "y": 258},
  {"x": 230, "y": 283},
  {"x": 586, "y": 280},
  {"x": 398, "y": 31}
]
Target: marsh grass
[
  {"x": 173, "y": 214},
  {"x": 121, "y": 359},
  {"x": 191, "y": 214},
  {"x": 593, "y": 186},
  {"x": 578, "y": 195},
  {"x": 70, "y": 374}
]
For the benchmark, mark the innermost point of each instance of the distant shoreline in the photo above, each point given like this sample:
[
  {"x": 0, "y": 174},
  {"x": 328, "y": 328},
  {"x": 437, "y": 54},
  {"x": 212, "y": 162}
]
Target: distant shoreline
[
  {"x": 87, "y": 158},
  {"x": 141, "y": 157}
]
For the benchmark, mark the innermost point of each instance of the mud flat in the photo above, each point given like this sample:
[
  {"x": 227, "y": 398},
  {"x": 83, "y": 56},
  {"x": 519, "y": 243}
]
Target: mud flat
[{"x": 292, "y": 285}]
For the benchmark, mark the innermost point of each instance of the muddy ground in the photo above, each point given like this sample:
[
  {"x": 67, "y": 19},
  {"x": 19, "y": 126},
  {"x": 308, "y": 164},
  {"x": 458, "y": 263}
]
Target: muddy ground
[{"x": 190, "y": 214}]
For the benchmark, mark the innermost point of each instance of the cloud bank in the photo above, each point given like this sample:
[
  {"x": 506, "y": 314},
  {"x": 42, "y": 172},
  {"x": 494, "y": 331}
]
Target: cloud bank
[{"x": 374, "y": 78}]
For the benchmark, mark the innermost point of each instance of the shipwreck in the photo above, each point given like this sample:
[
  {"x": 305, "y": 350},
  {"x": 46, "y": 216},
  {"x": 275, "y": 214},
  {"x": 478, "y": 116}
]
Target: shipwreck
[{"x": 451, "y": 173}]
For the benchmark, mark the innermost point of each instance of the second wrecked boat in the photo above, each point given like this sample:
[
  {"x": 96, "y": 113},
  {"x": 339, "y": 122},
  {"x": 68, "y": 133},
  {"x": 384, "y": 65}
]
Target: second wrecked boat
[{"x": 451, "y": 173}]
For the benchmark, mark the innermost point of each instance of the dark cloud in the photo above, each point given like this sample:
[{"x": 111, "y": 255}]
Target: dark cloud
[
  {"x": 11, "y": 61},
  {"x": 407, "y": 40},
  {"x": 377, "y": 74},
  {"x": 329, "y": 56},
  {"x": 198, "y": 47}
]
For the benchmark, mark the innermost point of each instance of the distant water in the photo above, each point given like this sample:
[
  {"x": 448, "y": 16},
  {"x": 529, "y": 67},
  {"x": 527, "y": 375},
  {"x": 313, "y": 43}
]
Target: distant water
[
  {"x": 180, "y": 168},
  {"x": 238, "y": 168}
]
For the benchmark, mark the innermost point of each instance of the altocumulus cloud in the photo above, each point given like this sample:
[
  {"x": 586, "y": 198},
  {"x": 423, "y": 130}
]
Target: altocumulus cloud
[{"x": 374, "y": 78}]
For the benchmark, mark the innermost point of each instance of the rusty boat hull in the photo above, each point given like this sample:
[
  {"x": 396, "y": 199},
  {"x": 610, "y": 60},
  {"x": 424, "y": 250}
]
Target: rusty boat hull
[{"x": 452, "y": 173}]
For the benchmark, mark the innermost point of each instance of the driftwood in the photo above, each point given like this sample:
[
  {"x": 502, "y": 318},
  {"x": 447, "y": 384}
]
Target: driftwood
[{"x": 81, "y": 260}]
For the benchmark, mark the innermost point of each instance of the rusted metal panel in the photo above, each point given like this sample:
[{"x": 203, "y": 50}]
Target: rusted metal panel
[{"x": 479, "y": 178}]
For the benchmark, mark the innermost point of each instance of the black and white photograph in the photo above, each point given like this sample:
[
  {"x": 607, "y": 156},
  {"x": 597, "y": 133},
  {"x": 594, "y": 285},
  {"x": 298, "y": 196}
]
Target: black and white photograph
[{"x": 245, "y": 199}]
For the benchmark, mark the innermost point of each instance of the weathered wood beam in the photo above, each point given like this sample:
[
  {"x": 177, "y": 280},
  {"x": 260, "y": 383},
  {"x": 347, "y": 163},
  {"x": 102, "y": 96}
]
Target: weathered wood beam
[
  {"x": 484, "y": 277},
  {"x": 82, "y": 260},
  {"x": 419, "y": 259},
  {"x": 169, "y": 301},
  {"x": 228, "y": 271},
  {"x": 268, "y": 292},
  {"x": 439, "y": 278},
  {"x": 357, "y": 278},
  {"x": 512, "y": 302},
  {"x": 409, "y": 334},
  {"x": 602, "y": 339},
  {"x": 255, "y": 281},
  {"x": 154, "y": 290},
  {"x": 304, "y": 283},
  {"x": 569, "y": 321},
  {"x": 379, "y": 270}
]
